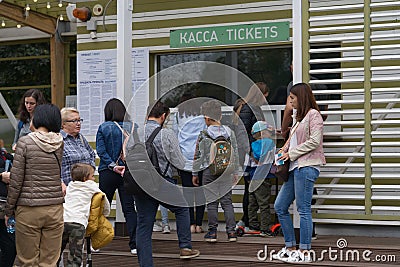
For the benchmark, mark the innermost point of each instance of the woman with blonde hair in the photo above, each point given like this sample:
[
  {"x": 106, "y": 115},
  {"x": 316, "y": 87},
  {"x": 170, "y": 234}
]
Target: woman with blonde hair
[{"x": 76, "y": 147}]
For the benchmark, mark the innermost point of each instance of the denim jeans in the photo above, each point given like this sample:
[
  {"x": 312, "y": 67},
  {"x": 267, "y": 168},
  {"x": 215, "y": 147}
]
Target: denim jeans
[
  {"x": 164, "y": 210},
  {"x": 196, "y": 213},
  {"x": 109, "y": 182},
  {"x": 146, "y": 213},
  {"x": 300, "y": 187}
]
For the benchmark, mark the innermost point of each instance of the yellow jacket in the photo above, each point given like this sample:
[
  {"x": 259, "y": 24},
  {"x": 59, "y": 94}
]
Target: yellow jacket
[{"x": 99, "y": 228}]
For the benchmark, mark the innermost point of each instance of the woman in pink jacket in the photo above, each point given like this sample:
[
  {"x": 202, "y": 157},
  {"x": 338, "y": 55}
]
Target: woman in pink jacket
[{"x": 306, "y": 156}]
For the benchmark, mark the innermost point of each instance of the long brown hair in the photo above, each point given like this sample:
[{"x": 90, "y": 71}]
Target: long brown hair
[
  {"x": 305, "y": 99},
  {"x": 256, "y": 93}
]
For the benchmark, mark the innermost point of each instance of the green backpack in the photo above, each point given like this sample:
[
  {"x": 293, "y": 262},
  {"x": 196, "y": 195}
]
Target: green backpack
[{"x": 221, "y": 154}]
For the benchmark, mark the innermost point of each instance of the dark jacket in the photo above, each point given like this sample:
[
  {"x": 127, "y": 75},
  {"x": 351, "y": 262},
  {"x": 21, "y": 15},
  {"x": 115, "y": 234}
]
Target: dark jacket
[
  {"x": 249, "y": 114},
  {"x": 3, "y": 157},
  {"x": 35, "y": 177}
]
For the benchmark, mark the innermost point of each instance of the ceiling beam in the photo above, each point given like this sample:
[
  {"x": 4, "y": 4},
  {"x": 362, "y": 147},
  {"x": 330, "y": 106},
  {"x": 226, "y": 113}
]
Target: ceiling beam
[{"x": 35, "y": 19}]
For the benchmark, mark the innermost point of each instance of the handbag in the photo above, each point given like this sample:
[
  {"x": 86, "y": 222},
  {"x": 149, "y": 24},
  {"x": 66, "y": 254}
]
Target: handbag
[{"x": 282, "y": 171}]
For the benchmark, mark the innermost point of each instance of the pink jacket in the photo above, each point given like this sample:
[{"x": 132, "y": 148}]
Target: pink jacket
[{"x": 309, "y": 135}]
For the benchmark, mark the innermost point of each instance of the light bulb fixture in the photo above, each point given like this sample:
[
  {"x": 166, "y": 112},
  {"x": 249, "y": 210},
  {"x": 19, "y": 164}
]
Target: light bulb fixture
[
  {"x": 48, "y": 5},
  {"x": 27, "y": 8},
  {"x": 35, "y": 1},
  {"x": 60, "y": 3},
  {"x": 3, "y": 23},
  {"x": 19, "y": 26},
  {"x": 61, "y": 17}
]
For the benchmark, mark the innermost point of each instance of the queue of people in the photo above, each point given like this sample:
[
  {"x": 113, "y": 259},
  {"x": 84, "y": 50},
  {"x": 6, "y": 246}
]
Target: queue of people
[{"x": 67, "y": 162}]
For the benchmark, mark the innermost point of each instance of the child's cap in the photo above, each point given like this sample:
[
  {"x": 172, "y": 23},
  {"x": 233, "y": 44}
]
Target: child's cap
[{"x": 262, "y": 126}]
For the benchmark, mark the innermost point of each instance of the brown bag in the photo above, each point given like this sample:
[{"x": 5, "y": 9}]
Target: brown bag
[{"x": 282, "y": 171}]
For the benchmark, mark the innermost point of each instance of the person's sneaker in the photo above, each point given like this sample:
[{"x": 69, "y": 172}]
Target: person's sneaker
[
  {"x": 211, "y": 236},
  {"x": 157, "y": 228},
  {"x": 266, "y": 233},
  {"x": 314, "y": 237},
  {"x": 232, "y": 237},
  {"x": 281, "y": 255},
  {"x": 94, "y": 250},
  {"x": 240, "y": 223},
  {"x": 166, "y": 229},
  {"x": 134, "y": 251},
  {"x": 187, "y": 253},
  {"x": 299, "y": 257}
]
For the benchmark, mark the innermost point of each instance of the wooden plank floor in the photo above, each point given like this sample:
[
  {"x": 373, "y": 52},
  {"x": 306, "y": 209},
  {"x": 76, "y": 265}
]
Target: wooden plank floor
[{"x": 379, "y": 251}]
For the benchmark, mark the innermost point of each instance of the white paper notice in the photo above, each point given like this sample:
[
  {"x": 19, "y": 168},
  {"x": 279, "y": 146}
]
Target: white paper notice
[{"x": 97, "y": 83}]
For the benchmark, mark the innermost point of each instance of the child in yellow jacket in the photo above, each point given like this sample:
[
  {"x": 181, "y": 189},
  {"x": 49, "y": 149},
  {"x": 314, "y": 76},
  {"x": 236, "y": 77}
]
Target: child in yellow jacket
[{"x": 77, "y": 209}]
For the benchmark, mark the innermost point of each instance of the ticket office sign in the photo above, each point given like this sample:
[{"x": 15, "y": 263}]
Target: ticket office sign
[{"x": 230, "y": 35}]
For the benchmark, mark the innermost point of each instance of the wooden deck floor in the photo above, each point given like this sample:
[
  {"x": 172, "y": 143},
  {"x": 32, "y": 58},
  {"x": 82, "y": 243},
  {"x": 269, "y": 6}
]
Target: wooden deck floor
[{"x": 330, "y": 251}]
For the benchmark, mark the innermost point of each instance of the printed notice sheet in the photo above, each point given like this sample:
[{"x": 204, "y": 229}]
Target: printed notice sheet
[{"x": 97, "y": 83}]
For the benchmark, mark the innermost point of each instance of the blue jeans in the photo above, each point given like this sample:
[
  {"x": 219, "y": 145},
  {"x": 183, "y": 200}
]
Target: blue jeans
[
  {"x": 196, "y": 213},
  {"x": 146, "y": 213},
  {"x": 164, "y": 210},
  {"x": 110, "y": 181},
  {"x": 300, "y": 187}
]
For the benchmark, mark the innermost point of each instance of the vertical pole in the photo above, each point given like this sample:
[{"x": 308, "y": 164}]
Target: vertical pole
[
  {"x": 300, "y": 60},
  {"x": 367, "y": 106},
  {"x": 124, "y": 50},
  {"x": 57, "y": 71},
  {"x": 124, "y": 65}
]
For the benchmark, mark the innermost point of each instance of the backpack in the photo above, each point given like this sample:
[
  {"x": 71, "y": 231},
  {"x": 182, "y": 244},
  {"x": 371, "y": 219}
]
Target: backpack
[
  {"x": 142, "y": 160},
  {"x": 221, "y": 154}
]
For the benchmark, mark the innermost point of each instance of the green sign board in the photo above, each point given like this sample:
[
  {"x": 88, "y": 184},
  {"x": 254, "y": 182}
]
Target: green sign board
[{"x": 230, "y": 35}]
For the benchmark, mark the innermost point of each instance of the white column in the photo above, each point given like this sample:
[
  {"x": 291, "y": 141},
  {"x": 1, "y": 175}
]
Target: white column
[
  {"x": 124, "y": 65},
  {"x": 297, "y": 69},
  {"x": 297, "y": 42},
  {"x": 124, "y": 50}
]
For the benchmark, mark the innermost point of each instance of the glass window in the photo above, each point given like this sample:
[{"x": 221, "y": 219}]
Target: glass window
[{"x": 270, "y": 65}]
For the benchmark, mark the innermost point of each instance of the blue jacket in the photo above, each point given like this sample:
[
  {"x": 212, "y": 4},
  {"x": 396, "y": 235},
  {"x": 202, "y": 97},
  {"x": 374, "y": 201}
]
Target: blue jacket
[
  {"x": 109, "y": 140},
  {"x": 187, "y": 129}
]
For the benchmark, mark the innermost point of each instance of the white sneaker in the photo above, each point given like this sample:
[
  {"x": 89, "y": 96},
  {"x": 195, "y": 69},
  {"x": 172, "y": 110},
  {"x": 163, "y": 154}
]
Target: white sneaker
[
  {"x": 166, "y": 229},
  {"x": 298, "y": 256},
  {"x": 134, "y": 251},
  {"x": 281, "y": 255},
  {"x": 157, "y": 228},
  {"x": 94, "y": 250}
]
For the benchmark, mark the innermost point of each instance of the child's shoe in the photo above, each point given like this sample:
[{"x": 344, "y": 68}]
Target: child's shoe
[
  {"x": 232, "y": 237},
  {"x": 211, "y": 236},
  {"x": 240, "y": 223}
]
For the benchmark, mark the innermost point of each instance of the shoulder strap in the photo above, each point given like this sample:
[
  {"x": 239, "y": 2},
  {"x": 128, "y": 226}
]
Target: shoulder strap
[
  {"x": 290, "y": 137},
  {"x": 151, "y": 139},
  {"x": 153, "y": 135},
  {"x": 59, "y": 165},
  {"x": 124, "y": 132}
]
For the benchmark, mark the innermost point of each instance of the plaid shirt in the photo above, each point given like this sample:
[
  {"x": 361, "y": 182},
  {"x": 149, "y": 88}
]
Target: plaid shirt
[{"x": 76, "y": 150}]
